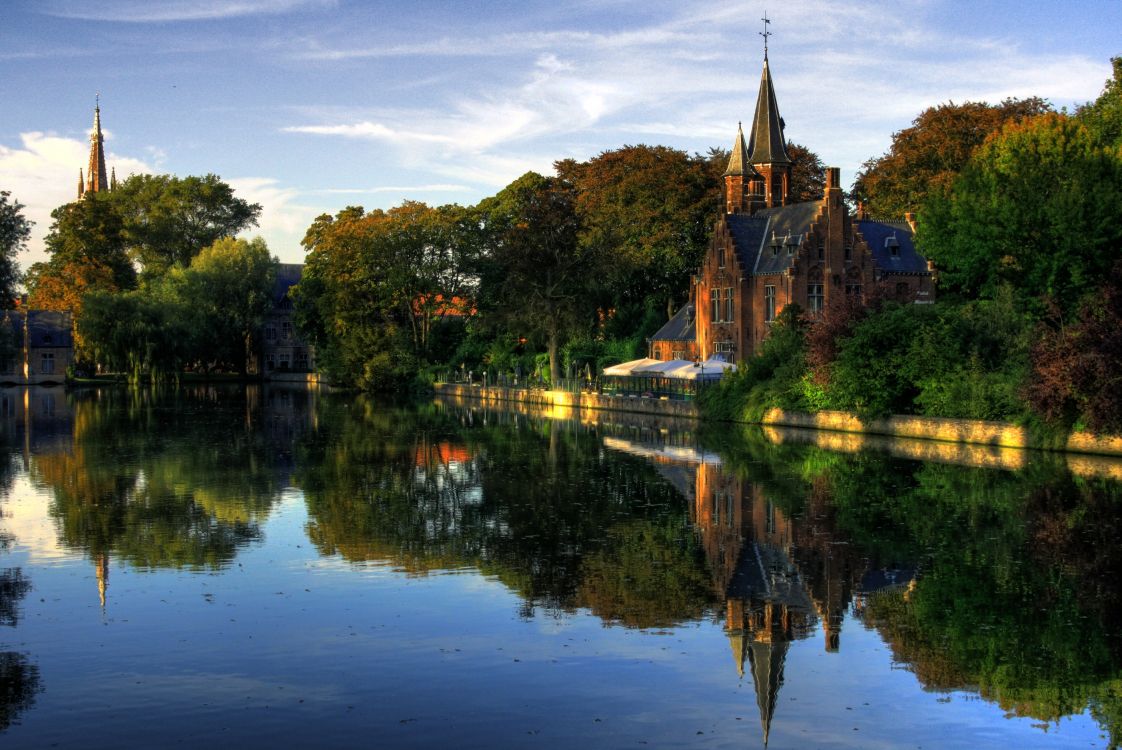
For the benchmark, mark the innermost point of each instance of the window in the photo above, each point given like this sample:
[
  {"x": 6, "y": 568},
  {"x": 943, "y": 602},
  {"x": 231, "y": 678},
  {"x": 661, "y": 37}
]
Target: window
[
  {"x": 848, "y": 251},
  {"x": 301, "y": 358},
  {"x": 283, "y": 362},
  {"x": 715, "y": 297},
  {"x": 854, "y": 289},
  {"x": 286, "y": 330},
  {"x": 722, "y": 347},
  {"x": 270, "y": 362},
  {"x": 720, "y": 256},
  {"x": 270, "y": 333},
  {"x": 48, "y": 340},
  {"x": 730, "y": 308},
  {"x": 815, "y": 299},
  {"x": 47, "y": 364},
  {"x": 769, "y": 303},
  {"x": 821, "y": 250}
]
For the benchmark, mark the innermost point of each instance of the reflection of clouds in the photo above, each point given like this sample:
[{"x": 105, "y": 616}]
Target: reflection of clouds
[{"x": 27, "y": 517}]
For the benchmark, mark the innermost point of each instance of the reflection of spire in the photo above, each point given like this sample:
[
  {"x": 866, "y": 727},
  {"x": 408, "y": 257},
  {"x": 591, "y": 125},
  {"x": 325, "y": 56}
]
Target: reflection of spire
[
  {"x": 102, "y": 576},
  {"x": 736, "y": 640},
  {"x": 767, "y": 672}
]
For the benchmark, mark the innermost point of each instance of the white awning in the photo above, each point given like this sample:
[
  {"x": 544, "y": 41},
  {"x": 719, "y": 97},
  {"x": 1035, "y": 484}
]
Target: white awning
[{"x": 627, "y": 368}]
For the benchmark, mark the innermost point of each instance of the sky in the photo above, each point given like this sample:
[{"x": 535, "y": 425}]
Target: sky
[{"x": 309, "y": 106}]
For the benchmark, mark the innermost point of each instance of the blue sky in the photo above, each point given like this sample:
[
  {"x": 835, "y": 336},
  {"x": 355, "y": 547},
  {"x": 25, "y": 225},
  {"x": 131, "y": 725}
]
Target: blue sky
[{"x": 307, "y": 106}]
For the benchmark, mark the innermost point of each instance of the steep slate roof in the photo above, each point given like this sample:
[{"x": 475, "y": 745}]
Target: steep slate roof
[
  {"x": 739, "y": 163},
  {"x": 288, "y": 276},
  {"x": 48, "y": 328},
  {"x": 879, "y": 236},
  {"x": 679, "y": 328},
  {"x": 768, "y": 146},
  {"x": 752, "y": 235}
]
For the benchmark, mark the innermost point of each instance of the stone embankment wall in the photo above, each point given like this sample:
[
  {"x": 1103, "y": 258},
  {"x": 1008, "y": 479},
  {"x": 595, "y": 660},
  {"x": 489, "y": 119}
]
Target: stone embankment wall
[
  {"x": 974, "y": 431},
  {"x": 575, "y": 401},
  {"x": 962, "y": 431}
]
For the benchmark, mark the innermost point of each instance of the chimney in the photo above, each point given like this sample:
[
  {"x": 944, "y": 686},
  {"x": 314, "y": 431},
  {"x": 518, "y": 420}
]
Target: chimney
[
  {"x": 862, "y": 212},
  {"x": 833, "y": 178},
  {"x": 910, "y": 217}
]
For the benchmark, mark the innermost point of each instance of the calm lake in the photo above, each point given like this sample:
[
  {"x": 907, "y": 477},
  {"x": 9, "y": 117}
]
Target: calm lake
[{"x": 272, "y": 567}]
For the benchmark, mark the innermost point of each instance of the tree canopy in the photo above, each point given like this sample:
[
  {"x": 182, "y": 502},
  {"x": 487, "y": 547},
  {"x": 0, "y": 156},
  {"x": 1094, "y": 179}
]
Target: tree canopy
[
  {"x": 651, "y": 207},
  {"x": 14, "y": 231},
  {"x": 86, "y": 244},
  {"x": 168, "y": 220},
  {"x": 925, "y": 158},
  {"x": 377, "y": 287},
  {"x": 1039, "y": 207},
  {"x": 537, "y": 275}
]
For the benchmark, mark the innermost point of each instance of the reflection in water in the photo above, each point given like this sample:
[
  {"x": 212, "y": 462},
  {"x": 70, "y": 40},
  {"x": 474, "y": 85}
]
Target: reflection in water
[
  {"x": 1000, "y": 582},
  {"x": 19, "y": 678},
  {"x": 178, "y": 480}
]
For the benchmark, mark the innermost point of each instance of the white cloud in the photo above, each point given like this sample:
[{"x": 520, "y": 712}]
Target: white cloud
[
  {"x": 146, "y": 11},
  {"x": 43, "y": 175},
  {"x": 848, "y": 74},
  {"x": 408, "y": 189},
  {"x": 283, "y": 220}
]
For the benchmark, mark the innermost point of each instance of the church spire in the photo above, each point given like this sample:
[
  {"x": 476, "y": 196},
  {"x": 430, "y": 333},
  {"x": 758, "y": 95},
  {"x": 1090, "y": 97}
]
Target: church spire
[
  {"x": 97, "y": 175},
  {"x": 81, "y": 182},
  {"x": 739, "y": 163},
  {"x": 767, "y": 147}
]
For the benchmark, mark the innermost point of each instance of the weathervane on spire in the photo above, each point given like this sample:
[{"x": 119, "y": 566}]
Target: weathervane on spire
[{"x": 765, "y": 33}]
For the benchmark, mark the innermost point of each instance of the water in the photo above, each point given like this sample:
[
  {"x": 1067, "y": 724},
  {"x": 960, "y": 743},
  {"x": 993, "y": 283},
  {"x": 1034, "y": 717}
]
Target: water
[{"x": 278, "y": 567}]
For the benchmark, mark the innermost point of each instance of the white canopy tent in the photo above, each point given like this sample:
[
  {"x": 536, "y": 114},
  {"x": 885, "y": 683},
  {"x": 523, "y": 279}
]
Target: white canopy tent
[{"x": 627, "y": 368}]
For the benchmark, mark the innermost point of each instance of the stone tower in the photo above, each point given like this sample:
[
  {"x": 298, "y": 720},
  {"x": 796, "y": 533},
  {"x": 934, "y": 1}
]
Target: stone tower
[{"x": 97, "y": 176}]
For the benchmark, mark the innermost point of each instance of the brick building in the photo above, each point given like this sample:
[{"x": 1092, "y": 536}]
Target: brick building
[{"x": 767, "y": 253}]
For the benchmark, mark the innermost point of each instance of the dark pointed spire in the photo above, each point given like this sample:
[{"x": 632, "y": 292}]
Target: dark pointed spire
[
  {"x": 81, "y": 182},
  {"x": 767, "y": 673},
  {"x": 98, "y": 179},
  {"x": 739, "y": 163},
  {"x": 768, "y": 144},
  {"x": 112, "y": 178}
]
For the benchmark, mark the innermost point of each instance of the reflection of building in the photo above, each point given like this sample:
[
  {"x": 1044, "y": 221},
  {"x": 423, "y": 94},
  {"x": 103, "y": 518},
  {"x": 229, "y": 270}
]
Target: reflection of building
[
  {"x": 282, "y": 349},
  {"x": 43, "y": 346},
  {"x": 780, "y": 576}
]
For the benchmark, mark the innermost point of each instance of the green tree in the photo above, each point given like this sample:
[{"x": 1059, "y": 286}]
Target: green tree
[
  {"x": 86, "y": 244},
  {"x": 1039, "y": 207},
  {"x": 651, "y": 208},
  {"x": 808, "y": 174},
  {"x": 1104, "y": 115},
  {"x": 377, "y": 287},
  {"x": 14, "y": 232},
  {"x": 168, "y": 220},
  {"x": 537, "y": 276},
  {"x": 925, "y": 158},
  {"x": 230, "y": 284}
]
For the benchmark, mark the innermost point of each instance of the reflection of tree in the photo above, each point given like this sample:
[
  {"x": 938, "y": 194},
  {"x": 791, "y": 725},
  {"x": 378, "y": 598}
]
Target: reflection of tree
[
  {"x": 13, "y": 587},
  {"x": 185, "y": 486},
  {"x": 19, "y": 682},
  {"x": 540, "y": 507},
  {"x": 19, "y": 678}
]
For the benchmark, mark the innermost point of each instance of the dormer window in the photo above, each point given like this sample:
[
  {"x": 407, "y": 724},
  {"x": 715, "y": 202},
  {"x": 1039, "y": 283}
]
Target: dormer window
[
  {"x": 47, "y": 340},
  {"x": 893, "y": 245}
]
